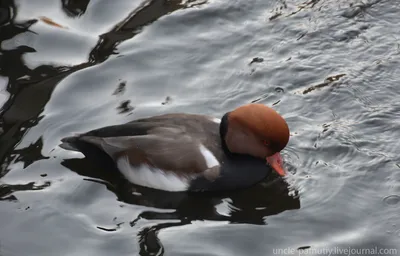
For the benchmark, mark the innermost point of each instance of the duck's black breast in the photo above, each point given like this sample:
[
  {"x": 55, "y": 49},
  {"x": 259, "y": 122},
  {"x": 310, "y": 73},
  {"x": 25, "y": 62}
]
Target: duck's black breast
[{"x": 236, "y": 172}]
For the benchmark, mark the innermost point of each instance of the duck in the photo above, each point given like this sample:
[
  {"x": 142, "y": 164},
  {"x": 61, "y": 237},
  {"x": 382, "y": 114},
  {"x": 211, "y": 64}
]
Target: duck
[{"x": 191, "y": 152}]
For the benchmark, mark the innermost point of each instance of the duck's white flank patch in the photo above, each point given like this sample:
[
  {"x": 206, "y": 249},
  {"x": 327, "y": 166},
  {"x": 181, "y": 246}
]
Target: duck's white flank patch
[
  {"x": 215, "y": 120},
  {"x": 211, "y": 161},
  {"x": 147, "y": 176}
]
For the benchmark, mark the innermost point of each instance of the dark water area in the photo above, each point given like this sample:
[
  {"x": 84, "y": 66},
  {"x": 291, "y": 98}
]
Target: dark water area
[{"x": 331, "y": 68}]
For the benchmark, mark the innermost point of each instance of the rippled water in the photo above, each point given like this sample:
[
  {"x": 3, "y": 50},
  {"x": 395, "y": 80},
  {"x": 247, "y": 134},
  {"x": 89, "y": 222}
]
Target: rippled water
[{"x": 329, "y": 67}]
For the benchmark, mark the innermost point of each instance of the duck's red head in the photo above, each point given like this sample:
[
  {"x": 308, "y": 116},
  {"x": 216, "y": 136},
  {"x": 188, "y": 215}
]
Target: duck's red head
[{"x": 259, "y": 131}]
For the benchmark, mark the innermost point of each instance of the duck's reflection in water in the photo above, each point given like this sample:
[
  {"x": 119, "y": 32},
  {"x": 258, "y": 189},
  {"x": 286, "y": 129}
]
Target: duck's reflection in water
[{"x": 269, "y": 197}]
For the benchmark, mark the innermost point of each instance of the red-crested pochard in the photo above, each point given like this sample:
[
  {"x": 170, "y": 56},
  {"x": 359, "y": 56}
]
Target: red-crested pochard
[{"x": 187, "y": 152}]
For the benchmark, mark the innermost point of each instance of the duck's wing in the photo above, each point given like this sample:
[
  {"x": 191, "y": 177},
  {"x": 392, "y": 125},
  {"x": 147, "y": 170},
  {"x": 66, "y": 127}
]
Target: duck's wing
[
  {"x": 166, "y": 147},
  {"x": 180, "y": 154}
]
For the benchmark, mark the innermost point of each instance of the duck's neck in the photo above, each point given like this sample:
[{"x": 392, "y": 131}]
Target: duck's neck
[{"x": 223, "y": 129}]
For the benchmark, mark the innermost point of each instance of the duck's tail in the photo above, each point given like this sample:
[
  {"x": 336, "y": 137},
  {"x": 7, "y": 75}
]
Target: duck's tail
[
  {"x": 70, "y": 143},
  {"x": 81, "y": 144}
]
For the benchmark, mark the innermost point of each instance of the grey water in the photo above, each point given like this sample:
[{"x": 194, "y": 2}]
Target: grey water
[{"x": 331, "y": 68}]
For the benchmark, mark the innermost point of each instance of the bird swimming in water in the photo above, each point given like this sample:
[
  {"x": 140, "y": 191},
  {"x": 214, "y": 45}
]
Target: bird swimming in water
[{"x": 189, "y": 152}]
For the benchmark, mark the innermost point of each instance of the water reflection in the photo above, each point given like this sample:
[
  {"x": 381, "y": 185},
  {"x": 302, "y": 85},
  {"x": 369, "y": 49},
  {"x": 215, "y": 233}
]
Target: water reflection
[
  {"x": 343, "y": 149},
  {"x": 252, "y": 205},
  {"x": 74, "y": 8},
  {"x": 7, "y": 8},
  {"x": 22, "y": 111},
  {"x": 7, "y": 190}
]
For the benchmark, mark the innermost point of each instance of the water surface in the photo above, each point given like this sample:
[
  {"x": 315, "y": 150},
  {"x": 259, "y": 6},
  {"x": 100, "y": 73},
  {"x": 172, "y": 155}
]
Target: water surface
[{"x": 329, "y": 67}]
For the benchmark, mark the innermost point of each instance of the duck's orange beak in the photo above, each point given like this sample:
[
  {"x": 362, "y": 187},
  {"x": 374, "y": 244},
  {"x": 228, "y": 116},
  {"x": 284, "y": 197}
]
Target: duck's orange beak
[{"x": 276, "y": 162}]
